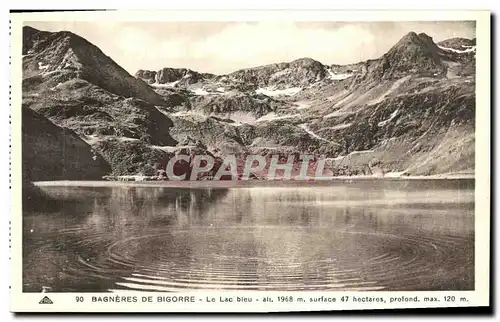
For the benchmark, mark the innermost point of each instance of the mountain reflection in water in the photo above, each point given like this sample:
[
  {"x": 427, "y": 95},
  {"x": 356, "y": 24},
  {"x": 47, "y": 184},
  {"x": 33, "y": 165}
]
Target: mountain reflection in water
[{"x": 364, "y": 235}]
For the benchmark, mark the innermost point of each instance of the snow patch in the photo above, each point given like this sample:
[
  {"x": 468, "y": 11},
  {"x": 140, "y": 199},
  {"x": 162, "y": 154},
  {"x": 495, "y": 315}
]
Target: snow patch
[
  {"x": 302, "y": 105},
  {"x": 234, "y": 124},
  {"x": 467, "y": 50},
  {"x": 90, "y": 139},
  {"x": 334, "y": 76},
  {"x": 240, "y": 117},
  {"x": 199, "y": 91},
  {"x": 55, "y": 87},
  {"x": 127, "y": 139},
  {"x": 272, "y": 117},
  {"x": 306, "y": 128},
  {"x": 392, "y": 116},
  {"x": 41, "y": 66},
  {"x": 332, "y": 114},
  {"x": 45, "y": 74},
  {"x": 166, "y": 85},
  {"x": 272, "y": 91},
  {"x": 340, "y": 126},
  {"x": 361, "y": 152},
  {"x": 341, "y": 157},
  {"x": 187, "y": 113}
]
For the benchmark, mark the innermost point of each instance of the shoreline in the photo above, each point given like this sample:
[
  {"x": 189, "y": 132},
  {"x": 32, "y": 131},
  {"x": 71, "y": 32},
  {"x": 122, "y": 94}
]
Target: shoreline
[{"x": 243, "y": 183}]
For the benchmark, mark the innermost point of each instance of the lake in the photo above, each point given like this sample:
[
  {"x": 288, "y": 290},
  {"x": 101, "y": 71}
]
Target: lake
[{"x": 359, "y": 235}]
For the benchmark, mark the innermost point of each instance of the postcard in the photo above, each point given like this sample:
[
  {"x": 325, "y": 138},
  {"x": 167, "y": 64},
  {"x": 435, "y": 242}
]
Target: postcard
[{"x": 249, "y": 161}]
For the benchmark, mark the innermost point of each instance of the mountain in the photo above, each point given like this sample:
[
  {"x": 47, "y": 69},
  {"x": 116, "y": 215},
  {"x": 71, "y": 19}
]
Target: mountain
[
  {"x": 172, "y": 76},
  {"x": 409, "y": 112},
  {"x": 300, "y": 72},
  {"x": 59, "y": 56},
  {"x": 461, "y": 44},
  {"x": 413, "y": 54},
  {"x": 72, "y": 83}
]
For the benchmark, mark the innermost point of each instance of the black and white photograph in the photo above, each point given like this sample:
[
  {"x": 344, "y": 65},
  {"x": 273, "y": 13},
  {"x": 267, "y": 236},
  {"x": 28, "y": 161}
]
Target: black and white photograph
[{"x": 188, "y": 156}]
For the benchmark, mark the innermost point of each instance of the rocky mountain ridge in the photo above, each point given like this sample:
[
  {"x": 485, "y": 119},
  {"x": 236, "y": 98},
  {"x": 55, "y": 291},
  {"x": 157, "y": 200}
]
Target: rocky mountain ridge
[
  {"x": 63, "y": 55},
  {"x": 410, "y": 111},
  {"x": 354, "y": 113}
]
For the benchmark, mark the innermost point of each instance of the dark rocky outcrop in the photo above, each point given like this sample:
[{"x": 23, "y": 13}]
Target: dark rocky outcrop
[
  {"x": 255, "y": 104},
  {"x": 181, "y": 76},
  {"x": 298, "y": 73},
  {"x": 131, "y": 157},
  {"x": 149, "y": 76},
  {"x": 53, "y": 153}
]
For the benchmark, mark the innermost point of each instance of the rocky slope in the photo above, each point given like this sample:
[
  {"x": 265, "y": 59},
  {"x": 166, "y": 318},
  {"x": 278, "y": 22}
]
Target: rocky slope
[
  {"x": 172, "y": 76},
  {"x": 53, "y": 153},
  {"x": 76, "y": 86},
  {"x": 460, "y": 44},
  {"x": 63, "y": 55},
  {"x": 403, "y": 111},
  {"x": 410, "y": 111},
  {"x": 50, "y": 152}
]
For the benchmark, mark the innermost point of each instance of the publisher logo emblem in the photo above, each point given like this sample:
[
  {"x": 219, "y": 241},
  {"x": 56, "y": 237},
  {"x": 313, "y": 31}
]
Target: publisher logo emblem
[{"x": 45, "y": 300}]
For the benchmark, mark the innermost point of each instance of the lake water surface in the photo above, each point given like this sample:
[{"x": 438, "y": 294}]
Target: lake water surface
[{"x": 358, "y": 235}]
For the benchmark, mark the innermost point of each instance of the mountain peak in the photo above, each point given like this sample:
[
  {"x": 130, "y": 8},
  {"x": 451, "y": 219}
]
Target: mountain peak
[
  {"x": 306, "y": 62},
  {"x": 414, "y": 38},
  {"x": 412, "y": 54},
  {"x": 409, "y": 36},
  {"x": 27, "y": 29},
  {"x": 425, "y": 37},
  {"x": 65, "y": 55}
]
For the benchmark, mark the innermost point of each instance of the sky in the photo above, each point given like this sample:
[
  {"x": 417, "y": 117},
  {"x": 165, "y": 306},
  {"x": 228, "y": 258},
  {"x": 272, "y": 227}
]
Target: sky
[{"x": 223, "y": 47}]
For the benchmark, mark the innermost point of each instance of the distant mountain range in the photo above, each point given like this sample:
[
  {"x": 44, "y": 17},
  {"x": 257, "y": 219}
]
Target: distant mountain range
[{"x": 409, "y": 112}]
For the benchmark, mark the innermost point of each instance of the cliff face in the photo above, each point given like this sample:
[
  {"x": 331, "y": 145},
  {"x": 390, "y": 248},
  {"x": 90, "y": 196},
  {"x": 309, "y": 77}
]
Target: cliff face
[{"x": 53, "y": 153}]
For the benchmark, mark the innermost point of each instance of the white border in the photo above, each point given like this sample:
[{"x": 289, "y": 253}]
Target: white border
[{"x": 482, "y": 120}]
